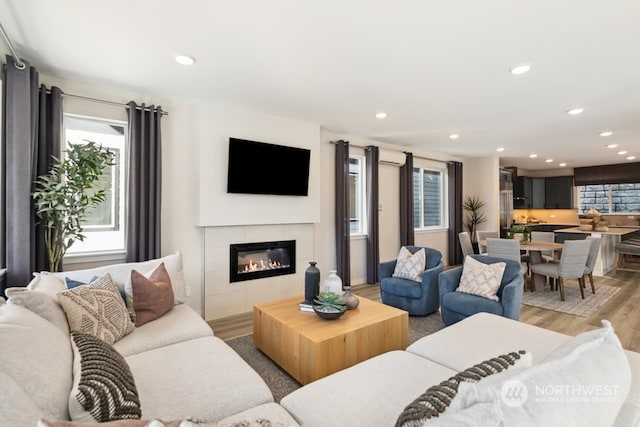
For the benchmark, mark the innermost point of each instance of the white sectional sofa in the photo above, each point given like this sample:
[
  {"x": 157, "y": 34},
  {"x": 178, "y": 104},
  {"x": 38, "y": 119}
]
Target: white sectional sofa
[{"x": 182, "y": 370}]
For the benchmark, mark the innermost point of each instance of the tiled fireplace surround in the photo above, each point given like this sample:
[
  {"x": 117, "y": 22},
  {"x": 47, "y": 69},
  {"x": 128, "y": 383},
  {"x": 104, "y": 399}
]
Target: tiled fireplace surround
[{"x": 222, "y": 298}]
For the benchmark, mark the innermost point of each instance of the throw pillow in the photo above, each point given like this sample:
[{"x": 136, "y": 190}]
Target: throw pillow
[
  {"x": 119, "y": 423},
  {"x": 586, "y": 380},
  {"x": 410, "y": 266},
  {"x": 44, "y": 282},
  {"x": 42, "y": 304},
  {"x": 437, "y": 398},
  {"x": 97, "y": 309},
  {"x": 152, "y": 296},
  {"x": 73, "y": 283},
  {"x": 103, "y": 385},
  {"x": 481, "y": 279}
]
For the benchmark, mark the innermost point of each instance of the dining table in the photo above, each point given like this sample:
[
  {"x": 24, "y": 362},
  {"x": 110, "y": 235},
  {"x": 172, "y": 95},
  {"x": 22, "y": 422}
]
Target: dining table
[{"x": 535, "y": 249}]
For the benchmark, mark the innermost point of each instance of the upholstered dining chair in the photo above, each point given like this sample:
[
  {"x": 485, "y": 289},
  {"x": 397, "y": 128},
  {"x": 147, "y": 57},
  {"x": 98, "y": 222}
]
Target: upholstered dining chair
[
  {"x": 418, "y": 298},
  {"x": 455, "y": 306},
  {"x": 506, "y": 249},
  {"x": 572, "y": 265},
  {"x": 484, "y": 235},
  {"x": 591, "y": 260},
  {"x": 465, "y": 244}
]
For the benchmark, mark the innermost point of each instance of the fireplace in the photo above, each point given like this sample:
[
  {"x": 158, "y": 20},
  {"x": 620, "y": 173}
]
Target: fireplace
[{"x": 250, "y": 261}]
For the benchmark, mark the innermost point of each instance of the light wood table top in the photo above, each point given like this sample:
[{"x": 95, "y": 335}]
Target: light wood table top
[
  {"x": 309, "y": 348},
  {"x": 534, "y": 245}
]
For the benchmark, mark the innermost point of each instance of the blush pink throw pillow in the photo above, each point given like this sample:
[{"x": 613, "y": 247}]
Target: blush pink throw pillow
[{"x": 152, "y": 295}]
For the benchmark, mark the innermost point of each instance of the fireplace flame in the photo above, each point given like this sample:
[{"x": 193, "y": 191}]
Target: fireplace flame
[{"x": 261, "y": 265}]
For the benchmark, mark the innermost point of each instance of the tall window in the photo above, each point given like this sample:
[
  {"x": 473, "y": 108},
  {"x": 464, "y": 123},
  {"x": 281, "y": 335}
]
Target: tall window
[
  {"x": 104, "y": 225},
  {"x": 357, "y": 194},
  {"x": 610, "y": 198},
  {"x": 429, "y": 200}
]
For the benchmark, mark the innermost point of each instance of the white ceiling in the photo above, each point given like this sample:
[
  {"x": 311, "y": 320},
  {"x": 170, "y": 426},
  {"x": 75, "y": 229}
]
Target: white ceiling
[{"x": 436, "y": 67}]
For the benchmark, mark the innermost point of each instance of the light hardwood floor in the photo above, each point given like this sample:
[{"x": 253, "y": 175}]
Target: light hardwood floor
[{"x": 622, "y": 310}]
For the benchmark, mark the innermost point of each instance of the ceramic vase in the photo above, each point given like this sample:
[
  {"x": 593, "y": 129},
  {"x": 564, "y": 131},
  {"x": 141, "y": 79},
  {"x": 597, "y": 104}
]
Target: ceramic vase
[
  {"x": 333, "y": 283},
  {"x": 350, "y": 300},
  {"x": 311, "y": 282}
]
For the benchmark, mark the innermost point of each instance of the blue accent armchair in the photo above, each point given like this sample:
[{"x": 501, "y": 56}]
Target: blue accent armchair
[
  {"x": 418, "y": 298},
  {"x": 455, "y": 306}
]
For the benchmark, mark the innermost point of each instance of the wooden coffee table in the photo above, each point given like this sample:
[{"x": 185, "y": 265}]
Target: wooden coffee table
[{"x": 309, "y": 348}]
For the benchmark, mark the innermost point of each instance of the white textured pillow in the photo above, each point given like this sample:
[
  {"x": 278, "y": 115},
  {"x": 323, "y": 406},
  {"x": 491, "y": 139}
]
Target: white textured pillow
[
  {"x": 97, "y": 309},
  {"x": 410, "y": 266},
  {"x": 585, "y": 380},
  {"x": 481, "y": 279},
  {"x": 42, "y": 304},
  {"x": 45, "y": 282}
]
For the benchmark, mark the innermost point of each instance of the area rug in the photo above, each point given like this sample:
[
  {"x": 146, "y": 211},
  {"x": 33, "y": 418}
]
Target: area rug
[
  {"x": 573, "y": 304},
  {"x": 281, "y": 384}
]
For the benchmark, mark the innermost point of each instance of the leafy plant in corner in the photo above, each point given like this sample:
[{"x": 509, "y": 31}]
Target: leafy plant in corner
[
  {"x": 472, "y": 205},
  {"x": 329, "y": 302},
  {"x": 64, "y": 196}
]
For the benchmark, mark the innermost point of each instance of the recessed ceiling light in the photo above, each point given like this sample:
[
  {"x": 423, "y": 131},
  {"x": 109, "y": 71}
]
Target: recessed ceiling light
[
  {"x": 381, "y": 115},
  {"x": 454, "y": 136},
  {"x": 575, "y": 111},
  {"x": 520, "y": 69},
  {"x": 184, "y": 60},
  {"x": 548, "y": 161},
  {"x": 606, "y": 133},
  {"x": 563, "y": 164},
  {"x": 612, "y": 145},
  {"x": 621, "y": 152},
  {"x": 500, "y": 149},
  {"x": 533, "y": 155},
  {"x": 631, "y": 158}
]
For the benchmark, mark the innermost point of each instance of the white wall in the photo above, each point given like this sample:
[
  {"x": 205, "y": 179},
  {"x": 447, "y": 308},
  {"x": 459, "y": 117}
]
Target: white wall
[{"x": 481, "y": 178}]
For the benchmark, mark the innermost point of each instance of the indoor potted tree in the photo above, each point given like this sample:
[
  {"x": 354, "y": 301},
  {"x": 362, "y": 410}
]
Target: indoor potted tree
[
  {"x": 64, "y": 196},
  {"x": 473, "y": 205}
]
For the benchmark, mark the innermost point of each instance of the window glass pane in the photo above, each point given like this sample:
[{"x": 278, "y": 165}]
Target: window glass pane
[
  {"x": 594, "y": 197},
  {"x": 625, "y": 197},
  {"x": 417, "y": 199},
  {"x": 102, "y": 226},
  {"x": 355, "y": 195},
  {"x": 432, "y": 203}
]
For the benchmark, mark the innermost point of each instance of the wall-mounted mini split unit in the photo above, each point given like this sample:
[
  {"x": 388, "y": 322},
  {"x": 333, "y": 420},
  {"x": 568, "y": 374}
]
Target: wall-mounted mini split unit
[{"x": 396, "y": 158}]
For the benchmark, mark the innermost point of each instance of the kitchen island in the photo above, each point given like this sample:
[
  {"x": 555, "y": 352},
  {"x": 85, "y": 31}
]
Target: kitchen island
[{"x": 607, "y": 253}]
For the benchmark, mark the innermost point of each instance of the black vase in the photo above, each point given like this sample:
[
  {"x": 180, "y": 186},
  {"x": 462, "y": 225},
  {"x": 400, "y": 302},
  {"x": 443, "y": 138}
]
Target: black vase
[{"x": 311, "y": 282}]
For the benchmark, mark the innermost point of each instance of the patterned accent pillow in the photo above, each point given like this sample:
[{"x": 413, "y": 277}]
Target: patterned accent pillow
[
  {"x": 103, "y": 385},
  {"x": 481, "y": 279},
  {"x": 436, "y": 399},
  {"x": 410, "y": 266},
  {"x": 72, "y": 283},
  {"x": 97, "y": 309},
  {"x": 152, "y": 295}
]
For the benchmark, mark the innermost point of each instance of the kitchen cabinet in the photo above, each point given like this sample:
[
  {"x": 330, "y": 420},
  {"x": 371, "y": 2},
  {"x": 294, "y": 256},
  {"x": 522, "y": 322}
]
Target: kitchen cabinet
[{"x": 543, "y": 193}]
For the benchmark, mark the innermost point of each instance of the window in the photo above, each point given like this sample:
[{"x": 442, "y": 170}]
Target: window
[
  {"x": 357, "y": 194},
  {"x": 429, "y": 201},
  {"x": 103, "y": 226},
  {"x": 610, "y": 198}
]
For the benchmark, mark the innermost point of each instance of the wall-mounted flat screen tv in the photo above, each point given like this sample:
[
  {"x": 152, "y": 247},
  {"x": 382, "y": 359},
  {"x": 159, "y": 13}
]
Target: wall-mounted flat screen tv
[{"x": 261, "y": 168}]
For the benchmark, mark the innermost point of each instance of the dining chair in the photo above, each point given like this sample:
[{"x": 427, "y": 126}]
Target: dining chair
[
  {"x": 540, "y": 236},
  {"x": 591, "y": 260},
  {"x": 505, "y": 248},
  {"x": 484, "y": 235},
  {"x": 465, "y": 244},
  {"x": 572, "y": 265}
]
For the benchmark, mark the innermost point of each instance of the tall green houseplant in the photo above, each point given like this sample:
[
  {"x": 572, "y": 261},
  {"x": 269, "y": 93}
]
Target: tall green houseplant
[
  {"x": 472, "y": 205},
  {"x": 66, "y": 194}
]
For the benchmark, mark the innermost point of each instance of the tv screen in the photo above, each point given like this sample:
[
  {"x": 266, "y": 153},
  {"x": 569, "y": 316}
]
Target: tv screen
[{"x": 261, "y": 168}]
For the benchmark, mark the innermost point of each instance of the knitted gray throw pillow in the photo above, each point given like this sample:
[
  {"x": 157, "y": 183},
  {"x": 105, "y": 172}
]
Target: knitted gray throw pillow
[
  {"x": 103, "y": 385},
  {"x": 436, "y": 399}
]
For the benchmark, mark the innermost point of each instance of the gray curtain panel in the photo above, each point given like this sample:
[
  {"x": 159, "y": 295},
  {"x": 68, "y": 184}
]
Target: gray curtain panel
[
  {"x": 343, "y": 233},
  {"x": 372, "y": 155},
  {"x": 145, "y": 182},
  {"x": 406, "y": 202},
  {"x": 454, "y": 172},
  {"x": 32, "y": 130}
]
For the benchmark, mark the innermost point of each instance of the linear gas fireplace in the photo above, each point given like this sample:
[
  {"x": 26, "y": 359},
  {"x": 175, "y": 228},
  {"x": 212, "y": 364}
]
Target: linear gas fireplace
[{"x": 261, "y": 259}]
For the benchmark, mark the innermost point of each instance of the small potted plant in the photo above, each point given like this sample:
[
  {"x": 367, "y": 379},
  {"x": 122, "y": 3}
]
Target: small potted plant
[
  {"x": 520, "y": 232},
  {"x": 329, "y": 305}
]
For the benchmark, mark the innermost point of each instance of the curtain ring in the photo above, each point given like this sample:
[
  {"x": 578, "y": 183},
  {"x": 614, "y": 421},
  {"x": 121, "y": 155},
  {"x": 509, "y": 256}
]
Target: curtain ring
[{"x": 20, "y": 66}]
